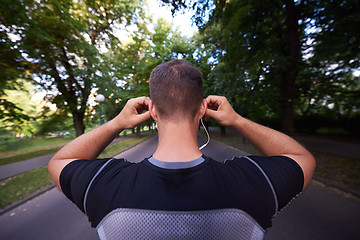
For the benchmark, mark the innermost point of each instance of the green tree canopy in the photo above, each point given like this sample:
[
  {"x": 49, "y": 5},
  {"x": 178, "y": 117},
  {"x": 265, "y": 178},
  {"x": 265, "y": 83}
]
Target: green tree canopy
[
  {"x": 60, "y": 41},
  {"x": 286, "y": 58}
]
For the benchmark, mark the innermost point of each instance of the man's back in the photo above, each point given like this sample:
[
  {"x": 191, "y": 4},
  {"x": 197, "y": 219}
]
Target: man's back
[
  {"x": 157, "y": 224},
  {"x": 245, "y": 184}
]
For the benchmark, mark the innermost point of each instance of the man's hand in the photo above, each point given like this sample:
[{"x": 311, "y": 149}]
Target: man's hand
[
  {"x": 132, "y": 115},
  {"x": 268, "y": 141},
  {"x": 220, "y": 109},
  {"x": 99, "y": 137}
]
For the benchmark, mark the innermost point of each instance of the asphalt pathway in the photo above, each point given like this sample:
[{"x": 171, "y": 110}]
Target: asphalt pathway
[
  {"x": 313, "y": 143},
  {"x": 348, "y": 149},
  {"x": 13, "y": 169},
  {"x": 319, "y": 213}
]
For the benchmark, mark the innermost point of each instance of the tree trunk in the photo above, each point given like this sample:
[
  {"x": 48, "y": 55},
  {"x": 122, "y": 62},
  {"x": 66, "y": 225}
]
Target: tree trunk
[
  {"x": 138, "y": 128},
  {"x": 222, "y": 131},
  {"x": 78, "y": 120},
  {"x": 287, "y": 107},
  {"x": 149, "y": 125},
  {"x": 291, "y": 71}
]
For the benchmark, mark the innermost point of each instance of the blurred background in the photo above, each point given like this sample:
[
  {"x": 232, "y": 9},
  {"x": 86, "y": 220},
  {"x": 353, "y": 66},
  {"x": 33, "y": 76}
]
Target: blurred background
[
  {"x": 291, "y": 65},
  {"x": 67, "y": 66}
]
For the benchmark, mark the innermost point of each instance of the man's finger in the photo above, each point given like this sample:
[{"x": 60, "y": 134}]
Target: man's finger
[
  {"x": 214, "y": 101},
  {"x": 210, "y": 113},
  {"x": 141, "y": 103},
  {"x": 144, "y": 100},
  {"x": 144, "y": 116}
]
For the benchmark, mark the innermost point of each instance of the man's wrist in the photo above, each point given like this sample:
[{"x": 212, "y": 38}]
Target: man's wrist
[
  {"x": 237, "y": 121},
  {"x": 115, "y": 126}
]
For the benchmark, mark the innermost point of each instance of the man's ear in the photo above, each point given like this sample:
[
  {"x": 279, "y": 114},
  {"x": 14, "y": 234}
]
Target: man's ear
[
  {"x": 153, "y": 111},
  {"x": 202, "y": 109}
]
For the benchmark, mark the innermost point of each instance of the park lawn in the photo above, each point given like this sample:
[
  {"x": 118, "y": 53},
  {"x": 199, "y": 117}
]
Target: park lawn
[
  {"x": 18, "y": 187},
  {"x": 23, "y": 149},
  {"x": 338, "y": 170}
]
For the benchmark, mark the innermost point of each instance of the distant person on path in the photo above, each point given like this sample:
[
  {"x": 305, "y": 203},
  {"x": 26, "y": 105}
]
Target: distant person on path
[{"x": 178, "y": 182}]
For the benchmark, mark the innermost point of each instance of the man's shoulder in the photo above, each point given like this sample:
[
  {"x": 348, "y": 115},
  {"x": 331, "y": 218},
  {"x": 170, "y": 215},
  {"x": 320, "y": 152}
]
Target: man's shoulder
[
  {"x": 251, "y": 159},
  {"x": 79, "y": 174},
  {"x": 81, "y": 163},
  {"x": 81, "y": 171}
]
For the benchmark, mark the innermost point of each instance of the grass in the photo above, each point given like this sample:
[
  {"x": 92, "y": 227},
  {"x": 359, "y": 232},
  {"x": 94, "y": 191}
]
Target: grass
[
  {"x": 29, "y": 148},
  {"x": 340, "y": 170},
  {"x": 18, "y": 187},
  {"x": 23, "y": 145}
]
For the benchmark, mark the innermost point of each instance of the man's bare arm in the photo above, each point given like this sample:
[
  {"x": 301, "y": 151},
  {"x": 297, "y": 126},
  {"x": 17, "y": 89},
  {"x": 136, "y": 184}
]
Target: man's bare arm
[
  {"x": 269, "y": 142},
  {"x": 89, "y": 145}
]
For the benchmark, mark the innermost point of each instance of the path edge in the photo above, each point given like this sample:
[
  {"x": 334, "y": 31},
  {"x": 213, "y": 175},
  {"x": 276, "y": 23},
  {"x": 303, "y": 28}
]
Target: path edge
[{"x": 48, "y": 188}]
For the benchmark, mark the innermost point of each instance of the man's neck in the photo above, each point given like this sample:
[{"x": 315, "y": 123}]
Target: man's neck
[{"x": 177, "y": 142}]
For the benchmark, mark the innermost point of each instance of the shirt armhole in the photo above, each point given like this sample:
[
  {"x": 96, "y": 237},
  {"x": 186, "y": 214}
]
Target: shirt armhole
[
  {"x": 92, "y": 180},
  {"x": 269, "y": 182}
]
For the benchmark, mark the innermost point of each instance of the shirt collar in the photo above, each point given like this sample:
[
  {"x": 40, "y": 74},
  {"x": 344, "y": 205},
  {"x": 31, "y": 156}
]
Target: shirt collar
[{"x": 176, "y": 165}]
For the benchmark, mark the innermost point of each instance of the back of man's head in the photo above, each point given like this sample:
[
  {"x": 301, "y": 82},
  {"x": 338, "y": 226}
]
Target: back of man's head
[{"x": 176, "y": 90}]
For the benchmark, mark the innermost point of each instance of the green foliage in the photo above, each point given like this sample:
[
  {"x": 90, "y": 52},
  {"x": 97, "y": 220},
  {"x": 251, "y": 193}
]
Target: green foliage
[
  {"x": 57, "y": 41},
  {"x": 276, "y": 59},
  {"x": 12, "y": 63},
  {"x": 271, "y": 59},
  {"x": 331, "y": 85},
  {"x": 21, "y": 109},
  {"x": 233, "y": 44}
]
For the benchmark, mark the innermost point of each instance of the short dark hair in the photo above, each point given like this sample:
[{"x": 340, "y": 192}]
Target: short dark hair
[{"x": 176, "y": 88}]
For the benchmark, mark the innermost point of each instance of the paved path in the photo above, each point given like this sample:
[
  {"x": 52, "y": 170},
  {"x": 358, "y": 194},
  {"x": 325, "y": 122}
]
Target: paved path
[
  {"x": 319, "y": 213},
  {"x": 342, "y": 148},
  {"x": 13, "y": 169},
  {"x": 49, "y": 216},
  {"x": 16, "y": 168},
  {"x": 330, "y": 146}
]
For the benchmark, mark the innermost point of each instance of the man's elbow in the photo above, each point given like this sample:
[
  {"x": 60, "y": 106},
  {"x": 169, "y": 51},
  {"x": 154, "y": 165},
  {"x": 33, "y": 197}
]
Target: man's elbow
[{"x": 308, "y": 166}]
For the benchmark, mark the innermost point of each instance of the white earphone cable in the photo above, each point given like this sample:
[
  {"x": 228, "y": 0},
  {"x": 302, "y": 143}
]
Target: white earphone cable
[{"x": 207, "y": 133}]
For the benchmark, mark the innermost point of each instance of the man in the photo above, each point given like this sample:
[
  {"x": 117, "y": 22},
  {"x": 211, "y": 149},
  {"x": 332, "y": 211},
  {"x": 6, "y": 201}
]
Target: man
[{"x": 178, "y": 177}]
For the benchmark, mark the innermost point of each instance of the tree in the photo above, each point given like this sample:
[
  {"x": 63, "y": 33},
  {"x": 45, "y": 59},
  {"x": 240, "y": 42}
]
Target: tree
[
  {"x": 336, "y": 54},
  {"x": 12, "y": 63},
  {"x": 30, "y": 105},
  {"x": 263, "y": 40},
  {"x": 266, "y": 44},
  {"x": 60, "y": 39}
]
